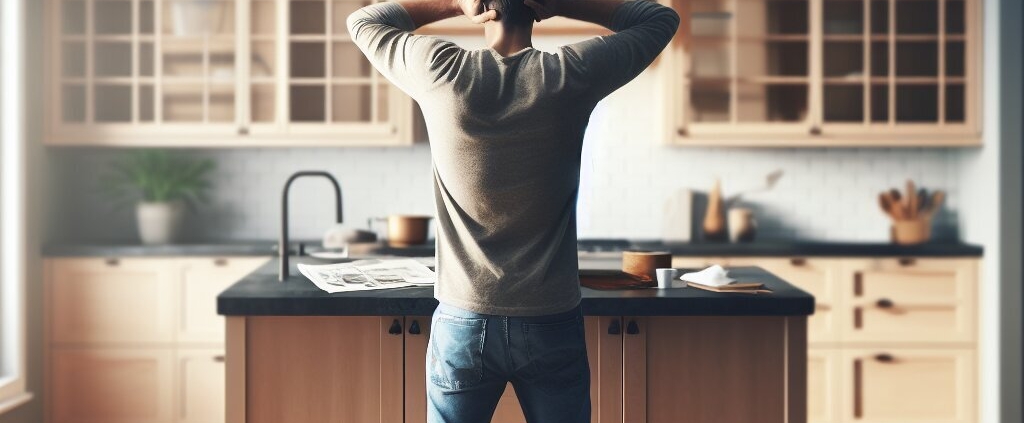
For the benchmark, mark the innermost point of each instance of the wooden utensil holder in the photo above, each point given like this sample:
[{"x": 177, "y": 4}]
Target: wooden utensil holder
[{"x": 911, "y": 231}]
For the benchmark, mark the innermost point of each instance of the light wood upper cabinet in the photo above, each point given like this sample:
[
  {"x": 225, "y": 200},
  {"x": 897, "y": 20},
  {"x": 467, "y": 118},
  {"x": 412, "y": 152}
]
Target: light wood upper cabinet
[
  {"x": 215, "y": 73},
  {"x": 201, "y": 280},
  {"x": 825, "y": 73},
  {"x": 95, "y": 300},
  {"x": 909, "y": 385},
  {"x": 110, "y": 386}
]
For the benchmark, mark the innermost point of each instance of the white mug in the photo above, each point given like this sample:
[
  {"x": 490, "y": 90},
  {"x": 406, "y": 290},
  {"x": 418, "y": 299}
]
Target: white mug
[{"x": 666, "y": 276}]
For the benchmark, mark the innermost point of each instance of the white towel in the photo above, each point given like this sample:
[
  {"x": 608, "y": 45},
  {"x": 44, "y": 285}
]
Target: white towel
[{"x": 713, "y": 276}]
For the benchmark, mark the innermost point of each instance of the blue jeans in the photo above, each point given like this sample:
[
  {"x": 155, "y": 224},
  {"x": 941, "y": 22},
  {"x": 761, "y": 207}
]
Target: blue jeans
[{"x": 471, "y": 357}]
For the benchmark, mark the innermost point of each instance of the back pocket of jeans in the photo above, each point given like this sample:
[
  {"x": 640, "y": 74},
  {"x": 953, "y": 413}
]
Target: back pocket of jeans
[
  {"x": 456, "y": 351},
  {"x": 557, "y": 353}
]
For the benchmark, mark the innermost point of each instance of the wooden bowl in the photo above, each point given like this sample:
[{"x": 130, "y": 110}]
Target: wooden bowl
[
  {"x": 642, "y": 264},
  {"x": 911, "y": 232}
]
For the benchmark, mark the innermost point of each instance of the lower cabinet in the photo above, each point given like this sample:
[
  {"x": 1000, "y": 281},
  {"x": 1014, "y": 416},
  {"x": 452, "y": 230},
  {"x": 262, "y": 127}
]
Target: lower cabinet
[
  {"x": 909, "y": 385},
  {"x": 201, "y": 386},
  {"x": 892, "y": 340},
  {"x": 323, "y": 369},
  {"x": 370, "y": 369},
  {"x": 111, "y": 386},
  {"x": 136, "y": 340}
]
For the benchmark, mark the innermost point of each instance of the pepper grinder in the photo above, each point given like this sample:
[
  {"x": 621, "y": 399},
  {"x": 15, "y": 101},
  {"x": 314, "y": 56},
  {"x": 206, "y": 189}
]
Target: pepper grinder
[{"x": 714, "y": 217}]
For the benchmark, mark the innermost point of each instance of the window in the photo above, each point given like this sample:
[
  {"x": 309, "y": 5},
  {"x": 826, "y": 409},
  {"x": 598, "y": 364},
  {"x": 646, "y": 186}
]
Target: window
[{"x": 12, "y": 207}]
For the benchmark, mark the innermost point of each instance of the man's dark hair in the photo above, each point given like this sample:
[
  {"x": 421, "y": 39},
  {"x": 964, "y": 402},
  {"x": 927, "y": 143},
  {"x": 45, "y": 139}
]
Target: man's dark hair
[{"x": 511, "y": 12}]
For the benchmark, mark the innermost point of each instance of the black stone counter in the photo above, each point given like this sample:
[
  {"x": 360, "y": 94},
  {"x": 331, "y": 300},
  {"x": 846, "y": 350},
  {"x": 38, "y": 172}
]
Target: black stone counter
[
  {"x": 601, "y": 247},
  {"x": 260, "y": 294}
]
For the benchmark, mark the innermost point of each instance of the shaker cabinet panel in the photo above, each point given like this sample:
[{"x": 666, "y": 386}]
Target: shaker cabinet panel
[
  {"x": 909, "y": 385},
  {"x": 358, "y": 377},
  {"x": 202, "y": 279},
  {"x": 110, "y": 386},
  {"x": 95, "y": 300},
  {"x": 200, "y": 385},
  {"x": 824, "y": 385}
]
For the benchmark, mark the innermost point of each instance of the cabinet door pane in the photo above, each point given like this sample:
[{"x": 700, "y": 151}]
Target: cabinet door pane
[
  {"x": 73, "y": 17},
  {"x": 917, "y": 16},
  {"x": 73, "y": 99},
  {"x": 772, "y": 102},
  {"x": 308, "y": 17},
  {"x": 112, "y": 17},
  {"x": 844, "y": 17},
  {"x": 308, "y": 103},
  {"x": 113, "y": 103}
]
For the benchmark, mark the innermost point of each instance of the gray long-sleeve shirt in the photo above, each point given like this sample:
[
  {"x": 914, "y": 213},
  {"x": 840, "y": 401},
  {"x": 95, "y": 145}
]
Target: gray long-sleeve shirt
[{"x": 505, "y": 137}]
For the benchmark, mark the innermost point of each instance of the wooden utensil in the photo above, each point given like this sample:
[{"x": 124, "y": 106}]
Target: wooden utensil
[
  {"x": 912, "y": 200},
  {"x": 935, "y": 202}
]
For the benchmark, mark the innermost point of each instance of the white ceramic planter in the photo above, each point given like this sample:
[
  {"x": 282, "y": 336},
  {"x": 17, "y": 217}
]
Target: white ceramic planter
[{"x": 159, "y": 222}]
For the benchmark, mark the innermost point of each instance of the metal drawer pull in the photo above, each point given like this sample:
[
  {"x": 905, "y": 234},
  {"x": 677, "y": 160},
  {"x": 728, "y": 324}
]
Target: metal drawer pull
[
  {"x": 220, "y": 262},
  {"x": 885, "y": 358},
  {"x": 632, "y": 328},
  {"x": 396, "y": 328},
  {"x": 798, "y": 261},
  {"x": 218, "y": 358},
  {"x": 858, "y": 284},
  {"x": 414, "y": 328},
  {"x": 884, "y": 303},
  {"x": 112, "y": 262},
  {"x": 907, "y": 261},
  {"x": 614, "y": 328}
]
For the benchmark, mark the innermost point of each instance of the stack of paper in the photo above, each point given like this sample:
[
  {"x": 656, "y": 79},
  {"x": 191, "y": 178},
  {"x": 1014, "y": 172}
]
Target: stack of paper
[{"x": 365, "y": 275}]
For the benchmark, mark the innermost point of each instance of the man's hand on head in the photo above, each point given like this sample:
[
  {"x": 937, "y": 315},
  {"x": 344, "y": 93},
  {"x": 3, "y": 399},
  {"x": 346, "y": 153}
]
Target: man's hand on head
[
  {"x": 544, "y": 9},
  {"x": 476, "y": 11}
]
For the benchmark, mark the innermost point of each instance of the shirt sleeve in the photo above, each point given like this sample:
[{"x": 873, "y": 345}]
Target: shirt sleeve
[
  {"x": 642, "y": 30},
  {"x": 414, "y": 63}
]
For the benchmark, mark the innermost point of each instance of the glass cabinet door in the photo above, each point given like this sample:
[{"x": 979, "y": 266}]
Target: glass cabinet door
[
  {"x": 331, "y": 87},
  {"x": 748, "y": 62},
  {"x": 196, "y": 61},
  {"x": 894, "y": 64}
]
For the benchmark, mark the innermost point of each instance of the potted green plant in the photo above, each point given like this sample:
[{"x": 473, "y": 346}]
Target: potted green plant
[{"x": 161, "y": 183}]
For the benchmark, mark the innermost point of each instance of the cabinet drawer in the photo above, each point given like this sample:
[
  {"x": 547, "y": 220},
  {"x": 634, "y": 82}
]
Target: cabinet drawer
[
  {"x": 110, "y": 386},
  {"x": 111, "y": 300},
  {"x": 819, "y": 277},
  {"x": 200, "y": 386},
  {"x": 202, "y": 280},
  {"x": 906, "y": 300},
  {"x": 910, "y": 385}
]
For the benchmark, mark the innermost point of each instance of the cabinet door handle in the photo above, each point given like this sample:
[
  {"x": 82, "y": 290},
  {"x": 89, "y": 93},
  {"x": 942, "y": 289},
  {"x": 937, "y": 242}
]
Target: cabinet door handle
[
  {"x": 242, "y": 130},
  {"x": 815, "y": 130},
  {"x": 614, "y": 328},
  {"x": 632, "y": 328},
  {"x": 683, "y": 132},
  {"x": 113, "y": 261},
  {"x": 220, "y": 262},
  {"x": 414, "y": 328},
  {"x": 396, "y": 328},
  {"x": 799, "y": 261},
  {"x": 907, "y": 261},
  {"x": 218, "y": 358},
  {"x": 885, "y": 358},
  {"x": 858, "y": 407},
  {"x": 884, "y": 303},
  {"x": 858, "y": 284}
]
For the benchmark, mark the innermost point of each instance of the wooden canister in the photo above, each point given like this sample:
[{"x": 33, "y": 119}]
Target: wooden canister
[{"x": 642, "y": 264}]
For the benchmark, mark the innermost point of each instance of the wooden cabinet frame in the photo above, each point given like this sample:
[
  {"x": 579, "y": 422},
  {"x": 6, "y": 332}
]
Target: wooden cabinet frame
[
  {"x": 813, "y": 131},
  {"x": 397, "y": 130}
]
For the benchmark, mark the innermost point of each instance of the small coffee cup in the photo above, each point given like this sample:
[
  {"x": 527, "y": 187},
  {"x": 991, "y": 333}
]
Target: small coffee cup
[{"x": 666, "y": 276}]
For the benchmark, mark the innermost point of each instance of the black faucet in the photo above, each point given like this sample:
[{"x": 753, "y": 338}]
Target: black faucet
[{"x": 282, "y": 242}]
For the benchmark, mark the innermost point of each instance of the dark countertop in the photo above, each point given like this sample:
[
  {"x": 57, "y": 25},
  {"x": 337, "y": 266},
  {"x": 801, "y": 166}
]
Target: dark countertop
[
  {"x": 603, "y": 246},
  {"x": 260, "y": 294}
]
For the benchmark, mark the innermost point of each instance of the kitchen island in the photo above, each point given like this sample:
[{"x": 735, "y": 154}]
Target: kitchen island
[{"x": 297, "y": 354}]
